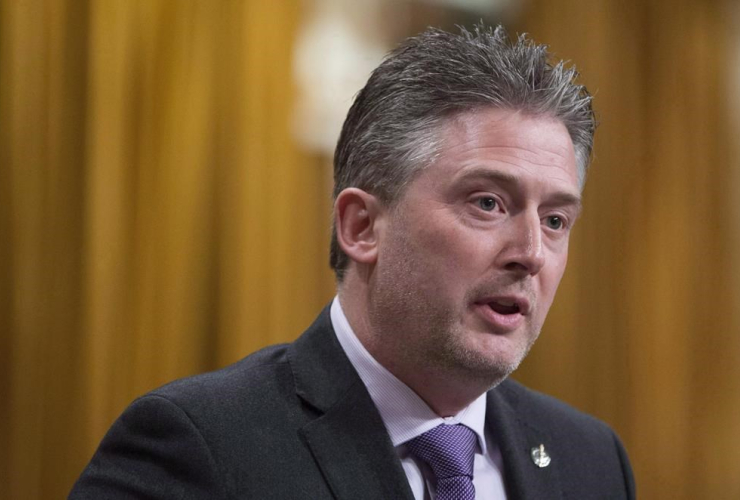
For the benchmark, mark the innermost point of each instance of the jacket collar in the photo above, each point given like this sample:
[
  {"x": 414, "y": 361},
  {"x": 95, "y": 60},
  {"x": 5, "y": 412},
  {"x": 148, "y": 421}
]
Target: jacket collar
[
  {"x": 347, "y": 438},
  {"x": 516, "y": 438}
]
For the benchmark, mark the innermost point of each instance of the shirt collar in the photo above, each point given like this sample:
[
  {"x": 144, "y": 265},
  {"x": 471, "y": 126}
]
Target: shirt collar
[{"x": 404, "y": 413}]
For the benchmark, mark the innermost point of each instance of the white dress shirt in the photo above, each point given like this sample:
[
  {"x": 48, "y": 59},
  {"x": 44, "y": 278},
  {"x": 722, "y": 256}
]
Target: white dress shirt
[{"x": 406, "y": 416}]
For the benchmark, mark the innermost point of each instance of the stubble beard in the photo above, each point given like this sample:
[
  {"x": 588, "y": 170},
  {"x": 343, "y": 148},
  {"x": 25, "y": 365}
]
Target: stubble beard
[{"x": 428, "y": 335}]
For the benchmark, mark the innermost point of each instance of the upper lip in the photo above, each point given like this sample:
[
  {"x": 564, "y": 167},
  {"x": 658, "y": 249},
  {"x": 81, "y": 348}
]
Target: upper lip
[{"x": 521, "y": 302}]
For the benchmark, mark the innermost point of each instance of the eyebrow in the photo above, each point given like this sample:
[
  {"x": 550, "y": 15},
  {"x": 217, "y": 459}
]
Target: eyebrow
[{"x": 558, "y": 198}]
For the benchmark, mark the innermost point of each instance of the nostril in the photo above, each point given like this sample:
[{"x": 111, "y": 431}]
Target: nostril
[{"x": 516, "y": 266}]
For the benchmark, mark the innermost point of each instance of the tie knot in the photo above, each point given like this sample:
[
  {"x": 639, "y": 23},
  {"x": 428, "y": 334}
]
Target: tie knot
[{"x": 448, "y": 449}]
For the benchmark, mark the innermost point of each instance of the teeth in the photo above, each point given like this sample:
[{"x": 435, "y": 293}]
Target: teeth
[{"x": 507, "y": 303}]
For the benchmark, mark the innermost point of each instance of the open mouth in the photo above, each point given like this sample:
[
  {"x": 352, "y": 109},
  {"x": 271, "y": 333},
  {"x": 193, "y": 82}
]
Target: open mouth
[
  {"x": 503, "y": 314},
  {"x": 505, "y": 307}
]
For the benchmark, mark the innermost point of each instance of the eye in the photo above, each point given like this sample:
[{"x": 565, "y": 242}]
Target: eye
[
  {"x": 487, "y": 203},
  {"x": 554, "y": 222}
]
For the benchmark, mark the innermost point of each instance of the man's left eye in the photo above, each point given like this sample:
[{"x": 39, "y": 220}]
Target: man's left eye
[
  {"x": 487, "y": 203},
  {"x": 554, "y": 222}
]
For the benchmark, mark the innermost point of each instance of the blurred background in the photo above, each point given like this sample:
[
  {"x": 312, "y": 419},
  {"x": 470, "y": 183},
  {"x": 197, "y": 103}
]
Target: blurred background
[{"x": 165, "y": 206}]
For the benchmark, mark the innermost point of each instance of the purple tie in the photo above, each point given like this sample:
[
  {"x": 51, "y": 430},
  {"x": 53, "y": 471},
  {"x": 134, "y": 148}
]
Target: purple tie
[{"x": 449, "y": 450}]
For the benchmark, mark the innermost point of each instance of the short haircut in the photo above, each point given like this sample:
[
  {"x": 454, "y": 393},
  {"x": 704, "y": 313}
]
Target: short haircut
[{"x": 392, "y": 129}]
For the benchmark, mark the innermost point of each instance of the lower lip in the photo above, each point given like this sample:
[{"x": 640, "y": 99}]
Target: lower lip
[{"x": 503, "y": 323}]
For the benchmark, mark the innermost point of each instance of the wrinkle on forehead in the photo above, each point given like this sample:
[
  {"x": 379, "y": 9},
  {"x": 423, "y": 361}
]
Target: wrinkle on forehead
[
  {"x": 467, "y": 126},
  {"x": 497, "y": 132},
  {"x": 534, "y": 156}
]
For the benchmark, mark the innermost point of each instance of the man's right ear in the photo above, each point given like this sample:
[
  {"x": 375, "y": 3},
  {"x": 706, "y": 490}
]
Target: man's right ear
[{"x": 356, "y": 216}]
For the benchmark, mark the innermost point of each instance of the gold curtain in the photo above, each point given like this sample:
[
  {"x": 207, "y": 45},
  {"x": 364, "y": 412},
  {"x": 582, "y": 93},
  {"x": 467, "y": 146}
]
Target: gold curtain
[
  {"x": 645, "y": 331},
  {"x": 156, "y": 218}
]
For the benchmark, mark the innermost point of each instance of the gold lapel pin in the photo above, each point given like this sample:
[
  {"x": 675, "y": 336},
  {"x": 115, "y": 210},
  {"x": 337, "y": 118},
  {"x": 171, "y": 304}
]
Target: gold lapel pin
[{"x": 540, "y": 457}]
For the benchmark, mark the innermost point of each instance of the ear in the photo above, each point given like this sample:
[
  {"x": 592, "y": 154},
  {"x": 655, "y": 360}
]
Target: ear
[{"x": 356, "y": 218}]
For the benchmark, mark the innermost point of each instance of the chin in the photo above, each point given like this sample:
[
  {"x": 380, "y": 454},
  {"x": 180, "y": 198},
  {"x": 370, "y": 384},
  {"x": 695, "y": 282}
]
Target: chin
[
  {"x": 482, "y": 367},
  {"x": 497, "y": 360}
]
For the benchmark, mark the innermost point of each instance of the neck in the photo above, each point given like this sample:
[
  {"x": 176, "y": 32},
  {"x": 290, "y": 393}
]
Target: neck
[
  {"x": 445, "y": 395},
  {"x": 445, "y": 391}
]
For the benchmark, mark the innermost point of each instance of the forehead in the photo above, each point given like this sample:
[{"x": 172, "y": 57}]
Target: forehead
[{"x": 515, "y": 145}]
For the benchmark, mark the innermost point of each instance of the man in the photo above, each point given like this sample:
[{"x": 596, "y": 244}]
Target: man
[{"x": 458, "y": 176}]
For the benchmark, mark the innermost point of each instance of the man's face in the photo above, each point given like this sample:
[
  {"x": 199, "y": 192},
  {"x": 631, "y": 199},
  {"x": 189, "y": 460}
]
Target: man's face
[{"x": 471, "y": 255}]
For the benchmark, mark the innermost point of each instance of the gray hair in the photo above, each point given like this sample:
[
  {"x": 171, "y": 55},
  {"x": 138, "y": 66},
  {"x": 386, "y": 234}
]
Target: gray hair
[{"x": 391, "y": 131}]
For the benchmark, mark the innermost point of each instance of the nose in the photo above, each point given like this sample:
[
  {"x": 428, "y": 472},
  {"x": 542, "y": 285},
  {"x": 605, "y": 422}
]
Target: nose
[{"x": 523, "y": 251}]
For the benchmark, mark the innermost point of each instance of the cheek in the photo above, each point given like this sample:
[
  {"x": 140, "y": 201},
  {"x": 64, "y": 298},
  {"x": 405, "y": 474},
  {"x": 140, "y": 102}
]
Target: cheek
[
  {"x": 455, "y": 252},
  {"x": 551, "y": 275}
]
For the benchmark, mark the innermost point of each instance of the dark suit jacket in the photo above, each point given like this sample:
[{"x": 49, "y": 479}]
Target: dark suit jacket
[{"x": 295, "y": 421}]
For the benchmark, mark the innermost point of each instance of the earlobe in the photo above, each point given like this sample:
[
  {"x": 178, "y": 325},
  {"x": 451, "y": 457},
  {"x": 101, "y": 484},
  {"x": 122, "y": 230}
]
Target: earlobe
[{"x": 355, "y": 215}]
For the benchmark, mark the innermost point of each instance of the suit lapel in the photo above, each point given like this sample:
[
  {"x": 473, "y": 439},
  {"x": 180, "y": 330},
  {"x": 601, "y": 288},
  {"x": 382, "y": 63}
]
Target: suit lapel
[
  {"x": 354, "y": 451},
  {"x": 516, "y": 438},
  {"x": 348, "y": 439}
]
